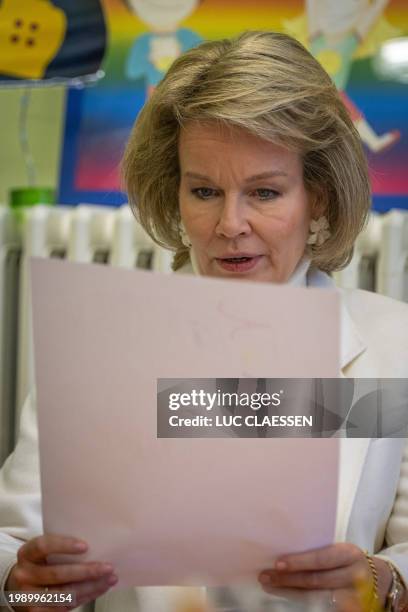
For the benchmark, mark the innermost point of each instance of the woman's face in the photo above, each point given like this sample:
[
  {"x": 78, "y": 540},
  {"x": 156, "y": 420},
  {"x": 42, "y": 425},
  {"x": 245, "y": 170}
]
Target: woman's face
[{"x": 243, "y": 203}]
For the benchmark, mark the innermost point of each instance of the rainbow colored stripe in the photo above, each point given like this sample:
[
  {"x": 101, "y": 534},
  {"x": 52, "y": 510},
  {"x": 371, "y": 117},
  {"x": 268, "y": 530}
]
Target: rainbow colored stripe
[{"x": 108, "y": 110}]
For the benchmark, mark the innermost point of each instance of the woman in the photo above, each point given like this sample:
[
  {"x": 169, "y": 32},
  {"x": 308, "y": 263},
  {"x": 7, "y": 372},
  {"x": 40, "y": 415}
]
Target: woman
[{"x": 246, "y": 163}]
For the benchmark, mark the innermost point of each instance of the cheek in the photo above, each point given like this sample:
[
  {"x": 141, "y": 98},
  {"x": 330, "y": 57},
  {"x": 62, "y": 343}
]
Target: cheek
[
  {"x": 201, "y": 229},
  {"x": 199, "y": 224},
  {"x": 297, "y": 222},
  {"x": 288, "y": 230},
  {"x": 188, "y": 211},
  {"x": 283, "y": 230}
]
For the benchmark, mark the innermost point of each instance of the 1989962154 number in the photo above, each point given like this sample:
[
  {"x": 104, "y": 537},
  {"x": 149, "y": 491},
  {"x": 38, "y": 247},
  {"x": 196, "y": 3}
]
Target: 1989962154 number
[{"x": 18, "y": 598}]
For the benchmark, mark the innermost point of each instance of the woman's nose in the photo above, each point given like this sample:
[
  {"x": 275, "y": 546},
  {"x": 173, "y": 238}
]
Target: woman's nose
[{"x": 233, "y": 220}]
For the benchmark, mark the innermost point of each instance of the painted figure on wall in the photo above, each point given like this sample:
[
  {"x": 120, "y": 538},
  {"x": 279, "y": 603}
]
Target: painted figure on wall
[
  {"x": 153, "y": 53},
  {"x": 339, "y": 32}
]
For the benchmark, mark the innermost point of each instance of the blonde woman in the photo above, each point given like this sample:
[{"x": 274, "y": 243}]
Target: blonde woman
[{"x": 245, "y": 162}]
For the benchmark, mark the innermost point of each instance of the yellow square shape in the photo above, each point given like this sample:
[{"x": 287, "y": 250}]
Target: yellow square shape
[{"x": 31, "y": 34}]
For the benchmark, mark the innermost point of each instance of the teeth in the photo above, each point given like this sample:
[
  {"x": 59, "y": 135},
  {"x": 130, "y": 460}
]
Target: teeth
[{"x": 237, "y": 259}]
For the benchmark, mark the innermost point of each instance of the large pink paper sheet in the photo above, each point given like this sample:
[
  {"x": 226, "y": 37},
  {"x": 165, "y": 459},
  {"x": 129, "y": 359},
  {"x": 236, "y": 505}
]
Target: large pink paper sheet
[{"x": 176, "y": 511}]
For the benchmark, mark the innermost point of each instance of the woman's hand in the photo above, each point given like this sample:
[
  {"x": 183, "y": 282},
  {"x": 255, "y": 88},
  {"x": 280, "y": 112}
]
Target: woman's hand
[
  {"x": 333, "y": 568},
  {"x": 87, "y": 580}
]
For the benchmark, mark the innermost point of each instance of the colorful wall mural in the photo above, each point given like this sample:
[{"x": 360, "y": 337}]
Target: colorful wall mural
[{"x": 146, "y": 35}]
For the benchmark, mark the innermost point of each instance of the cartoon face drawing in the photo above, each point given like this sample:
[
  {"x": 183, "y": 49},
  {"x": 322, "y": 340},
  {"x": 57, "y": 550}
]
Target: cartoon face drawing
[{"x": 163, "y": 15}]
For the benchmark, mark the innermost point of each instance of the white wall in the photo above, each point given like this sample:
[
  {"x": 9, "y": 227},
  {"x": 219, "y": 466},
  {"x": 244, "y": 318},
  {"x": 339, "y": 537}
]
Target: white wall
[{"x": 45, "y": 129}]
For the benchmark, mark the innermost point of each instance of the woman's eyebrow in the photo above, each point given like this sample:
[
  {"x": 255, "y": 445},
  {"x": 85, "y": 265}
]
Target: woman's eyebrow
[
  {"x": 250, "y": 179},
  {"x": 264, "y": 175},
  {"x": 197, "y": 176}
]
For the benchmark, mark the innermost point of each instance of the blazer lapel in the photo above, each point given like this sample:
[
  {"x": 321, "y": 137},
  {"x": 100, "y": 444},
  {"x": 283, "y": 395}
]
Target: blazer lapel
[
  {"x": 351, "y": 343},
  {"x": 353, "y": 452}
]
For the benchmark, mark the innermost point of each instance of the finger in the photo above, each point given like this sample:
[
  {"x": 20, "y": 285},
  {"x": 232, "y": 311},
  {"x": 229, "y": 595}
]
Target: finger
[
  {"x": 38, "y": 548},
  {"x": 65, "y": 573},
  {"x": 328, "y": 557},
  {"x": 343, "y": 577}
]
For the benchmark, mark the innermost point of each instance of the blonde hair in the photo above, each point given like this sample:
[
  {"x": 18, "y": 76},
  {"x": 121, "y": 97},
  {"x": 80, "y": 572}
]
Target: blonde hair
[{"x": 270, "y": 85}]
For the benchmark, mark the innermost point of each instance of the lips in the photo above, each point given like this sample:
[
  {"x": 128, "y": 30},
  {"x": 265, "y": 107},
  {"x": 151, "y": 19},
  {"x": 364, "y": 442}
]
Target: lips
[
  {"x": 237, "y": 255},
  {"x": 240, "y": 262}
]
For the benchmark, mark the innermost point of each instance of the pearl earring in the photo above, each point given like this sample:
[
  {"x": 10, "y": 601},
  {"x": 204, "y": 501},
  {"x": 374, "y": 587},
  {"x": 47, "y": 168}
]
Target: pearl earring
[
  {"x": 318, "y": 231},
  {"x": 183, "y": 235}
]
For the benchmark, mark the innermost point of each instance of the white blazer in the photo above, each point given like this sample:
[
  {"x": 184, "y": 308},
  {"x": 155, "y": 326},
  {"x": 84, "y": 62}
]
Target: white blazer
[{"x": 373, "y": 489}]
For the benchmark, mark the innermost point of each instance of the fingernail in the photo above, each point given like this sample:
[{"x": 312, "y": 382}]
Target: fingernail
[
  {"x": 106, "y": 568},
  {"x": 82, "y": 546},
  {"x": 112, "y": 579},
  {"x": 264, "y": 579},
  {"x": 281, "y": 565}
]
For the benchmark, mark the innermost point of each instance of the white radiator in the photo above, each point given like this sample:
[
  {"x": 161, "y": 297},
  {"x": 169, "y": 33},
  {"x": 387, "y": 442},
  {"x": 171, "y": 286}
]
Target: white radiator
[
  {"x": 361, "y": 271},
  {"x": 111, "y": 236},
  {"x": 88, "y": 234},
  {"x": 392, "y": 269}
]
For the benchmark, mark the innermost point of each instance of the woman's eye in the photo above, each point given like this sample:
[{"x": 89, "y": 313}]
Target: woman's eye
[
  {"x": 266, "y": 194},
  {"x": 204, "y": 193}
]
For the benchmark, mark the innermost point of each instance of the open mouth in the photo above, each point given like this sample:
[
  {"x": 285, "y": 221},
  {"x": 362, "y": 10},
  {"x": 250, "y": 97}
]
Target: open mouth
[
  {"x": 238, "y": 264},
  {"x": 237, "y": 259}
]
